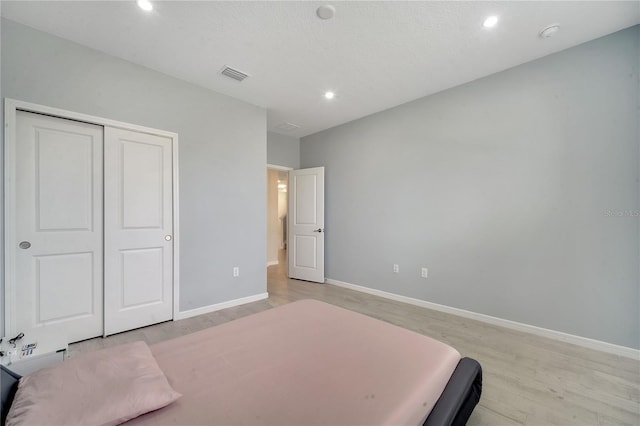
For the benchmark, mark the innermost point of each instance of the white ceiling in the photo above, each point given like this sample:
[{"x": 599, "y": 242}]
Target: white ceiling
[{"x": 374, "y": 55}]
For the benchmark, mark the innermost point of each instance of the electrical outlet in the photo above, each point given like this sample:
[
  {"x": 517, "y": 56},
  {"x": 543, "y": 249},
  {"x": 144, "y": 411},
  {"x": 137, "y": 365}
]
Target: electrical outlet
[
  {"x": 236, "y": 271},
  {"x": 396, "y": 268},
  {"x": 424, "y": 273}
]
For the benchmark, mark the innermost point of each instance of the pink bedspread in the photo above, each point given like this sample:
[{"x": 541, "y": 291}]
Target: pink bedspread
[{"x": 304, "y": 363}]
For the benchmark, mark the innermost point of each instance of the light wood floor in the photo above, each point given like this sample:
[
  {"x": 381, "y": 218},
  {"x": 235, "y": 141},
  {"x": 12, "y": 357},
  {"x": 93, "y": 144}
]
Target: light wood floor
[{"x": 528, "y": 380}]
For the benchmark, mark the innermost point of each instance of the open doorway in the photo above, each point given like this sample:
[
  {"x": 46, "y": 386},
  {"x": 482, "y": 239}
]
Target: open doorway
[{"x": 277, "y": 206}]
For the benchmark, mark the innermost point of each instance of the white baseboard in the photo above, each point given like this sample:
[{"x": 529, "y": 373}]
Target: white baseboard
[
  {"x": 212, "y": 308},
  {"x": 539, "y": 331},
  {"x": 272, "y": 262}
]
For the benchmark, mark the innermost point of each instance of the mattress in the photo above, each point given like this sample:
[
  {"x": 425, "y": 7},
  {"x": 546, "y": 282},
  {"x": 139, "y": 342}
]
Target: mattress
[{"x": 306, "y": 362}]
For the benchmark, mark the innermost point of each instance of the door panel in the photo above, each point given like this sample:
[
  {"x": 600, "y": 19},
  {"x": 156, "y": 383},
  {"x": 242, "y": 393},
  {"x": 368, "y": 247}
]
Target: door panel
[
  {"x": 64, "y": 175},
  {"x": 306, "y": 224},
  {"x": 305, "y": 248},
  {"x": 138, "y": 230},
  {"x": 306, "y": 199},
  {"x": 64, "y": 274},
  {"x": 143, "y": 178},
  {"x": 59, "y": 214},
  {"x": 142, "y": 270}
]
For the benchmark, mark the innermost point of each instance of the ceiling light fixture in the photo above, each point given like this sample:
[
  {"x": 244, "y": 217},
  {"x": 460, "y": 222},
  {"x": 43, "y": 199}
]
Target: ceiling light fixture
[
  {"x": 549, "y": 31},
  {"x": 326, "y": 11},
  {"x": 490, "y": 22},
  {"x": 145, "y": 5},
  {"x": 329, "y": 95}
]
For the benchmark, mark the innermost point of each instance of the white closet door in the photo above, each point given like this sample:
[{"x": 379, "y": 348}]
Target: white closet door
[
  {"x": 138, "y": 245},
  {"x": 58, "y": 230}
]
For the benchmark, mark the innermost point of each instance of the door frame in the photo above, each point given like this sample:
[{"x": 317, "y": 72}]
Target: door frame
[
  {"x": 11, "y": 106},
  {"x": 280, "y": 169}
]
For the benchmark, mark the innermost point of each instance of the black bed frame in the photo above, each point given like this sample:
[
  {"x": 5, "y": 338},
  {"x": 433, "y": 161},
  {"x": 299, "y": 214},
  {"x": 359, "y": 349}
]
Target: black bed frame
[
  {"x": 453, "y": 408},
  {"x": 8, "y": 385},
  {"x": 459, "y": 397}
]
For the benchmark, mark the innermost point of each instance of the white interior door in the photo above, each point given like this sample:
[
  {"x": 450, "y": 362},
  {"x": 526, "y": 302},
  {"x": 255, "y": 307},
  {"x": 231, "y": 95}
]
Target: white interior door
[
  {"x": 138, "y": 230},
  {"x": 306, "y": 224},
  {"x": 58, "y": 227}
]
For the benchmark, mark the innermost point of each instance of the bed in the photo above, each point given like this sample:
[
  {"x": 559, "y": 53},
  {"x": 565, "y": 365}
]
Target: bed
[{"x": 306, "y": 362}]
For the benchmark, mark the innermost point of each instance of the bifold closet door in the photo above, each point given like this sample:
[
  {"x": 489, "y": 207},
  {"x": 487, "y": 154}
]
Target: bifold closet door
[
  {"x": 138, "y": 229},
  {"x": 58, "y": 226}
]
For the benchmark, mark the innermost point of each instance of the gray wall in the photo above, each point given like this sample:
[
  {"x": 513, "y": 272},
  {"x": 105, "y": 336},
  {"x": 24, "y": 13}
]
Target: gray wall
[
  {"x": 222, "y": 151},
  {"x": 502, "y": 188},
  {"x": 1, "y": 194},
  {"x": 283, "y": 150}
]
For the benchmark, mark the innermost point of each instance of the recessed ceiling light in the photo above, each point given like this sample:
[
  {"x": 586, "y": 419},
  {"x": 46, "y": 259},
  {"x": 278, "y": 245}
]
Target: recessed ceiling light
[
  {"x": 549, "y": 31},
  {"x": 329, "y": 95},
  {"x": 490, "y": 22},
  {"x": 145, "y": 5},
  {"x": 326, "y": 11}
]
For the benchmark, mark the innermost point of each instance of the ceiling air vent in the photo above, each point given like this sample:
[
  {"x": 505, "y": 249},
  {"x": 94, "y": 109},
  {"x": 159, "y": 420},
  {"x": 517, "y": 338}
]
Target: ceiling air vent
[
  {"x": 233, "y": 73},
  {"x": 287, "y": 127}
]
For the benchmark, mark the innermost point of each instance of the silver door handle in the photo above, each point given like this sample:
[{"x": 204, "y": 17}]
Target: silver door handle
[
  {"x": 24, "y": 245},
  {"x": 318, "y": 230},
  {"x": 167, "y": 237}
]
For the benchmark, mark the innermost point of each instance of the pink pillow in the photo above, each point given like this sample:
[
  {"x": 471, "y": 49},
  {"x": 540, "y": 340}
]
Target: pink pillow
[{"x": 105, "y": 387}]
